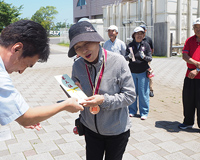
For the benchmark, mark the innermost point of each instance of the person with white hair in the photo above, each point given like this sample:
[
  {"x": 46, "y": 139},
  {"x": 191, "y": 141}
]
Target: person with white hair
[
  {"x": 191, "y": 86},
  {"x": 138, "y": 53},
  {"x": 114, "y": 44}
]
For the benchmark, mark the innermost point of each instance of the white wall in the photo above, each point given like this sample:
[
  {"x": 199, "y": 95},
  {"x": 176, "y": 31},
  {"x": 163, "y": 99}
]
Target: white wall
[{"x": 178, "y": 13}]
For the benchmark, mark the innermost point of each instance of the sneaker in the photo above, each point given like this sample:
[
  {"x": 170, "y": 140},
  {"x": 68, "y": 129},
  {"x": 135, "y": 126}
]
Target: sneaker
[
  {"x": 183, "y": 126},
  {"x": 131, "y": 115},
  {"x": 143, "y": 117},
  {"x": 151, "y": 93}
]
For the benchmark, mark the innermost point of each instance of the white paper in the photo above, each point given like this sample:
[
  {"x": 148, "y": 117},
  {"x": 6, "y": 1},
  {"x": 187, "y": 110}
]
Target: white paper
[
  {"x": 70, "y": 87},
  {"x": 131, "y": 51}
]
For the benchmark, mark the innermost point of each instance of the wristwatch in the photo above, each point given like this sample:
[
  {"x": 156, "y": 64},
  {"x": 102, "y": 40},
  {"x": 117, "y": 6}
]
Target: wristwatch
[{"x": 197, "y": 69}]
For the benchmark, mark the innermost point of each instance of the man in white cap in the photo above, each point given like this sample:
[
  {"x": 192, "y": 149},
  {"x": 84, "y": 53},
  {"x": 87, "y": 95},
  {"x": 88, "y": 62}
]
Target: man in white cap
[
  {"x": 191, "y": 86},
  {"x": 114, "y": 44}
]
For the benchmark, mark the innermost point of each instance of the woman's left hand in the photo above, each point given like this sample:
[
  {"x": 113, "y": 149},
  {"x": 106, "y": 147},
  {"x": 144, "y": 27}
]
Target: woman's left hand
[
  {"x": 142, "y": 55},
  {"x": 93, "y": 101}
]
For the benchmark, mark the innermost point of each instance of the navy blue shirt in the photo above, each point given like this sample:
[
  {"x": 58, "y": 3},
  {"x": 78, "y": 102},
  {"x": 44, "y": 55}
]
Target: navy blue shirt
[{"x": 149, "y": 41}]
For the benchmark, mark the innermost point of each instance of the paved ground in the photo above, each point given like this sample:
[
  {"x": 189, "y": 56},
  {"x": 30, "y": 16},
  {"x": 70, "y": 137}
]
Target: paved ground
[{"x": 156, "y": 138}]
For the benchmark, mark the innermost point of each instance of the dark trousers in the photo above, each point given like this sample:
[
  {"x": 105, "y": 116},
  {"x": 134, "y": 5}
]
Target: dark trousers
[
  {"x": 113, "y": 146},
  {"x": 191, "y": 100}
]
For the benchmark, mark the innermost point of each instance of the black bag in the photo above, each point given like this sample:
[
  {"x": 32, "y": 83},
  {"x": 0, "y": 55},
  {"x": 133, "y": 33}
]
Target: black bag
[{"x": 80, "y": 126}]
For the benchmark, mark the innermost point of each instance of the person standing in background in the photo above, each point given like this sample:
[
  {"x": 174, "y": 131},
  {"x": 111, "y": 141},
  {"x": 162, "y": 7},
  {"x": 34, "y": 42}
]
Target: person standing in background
[
  {"x": 114, "y": 44},
  {"x": 150, "y": 42},
  {"x": 138, "y": 53},
  {"x": 191, "y": 86}
]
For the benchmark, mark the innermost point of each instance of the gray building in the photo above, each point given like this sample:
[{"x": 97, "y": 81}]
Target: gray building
[{"x": 91, "y": 9}]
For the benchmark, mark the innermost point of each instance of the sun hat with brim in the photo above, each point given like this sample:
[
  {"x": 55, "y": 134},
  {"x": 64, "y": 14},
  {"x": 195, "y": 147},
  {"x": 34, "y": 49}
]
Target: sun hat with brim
[
  {"x": 138, "y": 29},
  {"x": 82, "y": 31},
  {"x": 197, "y": 21}
]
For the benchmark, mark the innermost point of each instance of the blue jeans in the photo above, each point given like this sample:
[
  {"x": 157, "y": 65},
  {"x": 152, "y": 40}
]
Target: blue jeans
[{"x": 142, "y": 93}]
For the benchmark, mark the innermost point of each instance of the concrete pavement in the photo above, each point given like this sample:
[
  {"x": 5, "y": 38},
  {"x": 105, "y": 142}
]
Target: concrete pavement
[{"x": 157, "y": 138}]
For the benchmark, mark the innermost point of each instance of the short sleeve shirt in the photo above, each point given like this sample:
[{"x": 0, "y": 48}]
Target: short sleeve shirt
[
  {"x": 12, "y": 104},
  {"x": 192, "y": 48},
  {"x": 149, "y": 41},
  {"x": 117, "y": 46}
]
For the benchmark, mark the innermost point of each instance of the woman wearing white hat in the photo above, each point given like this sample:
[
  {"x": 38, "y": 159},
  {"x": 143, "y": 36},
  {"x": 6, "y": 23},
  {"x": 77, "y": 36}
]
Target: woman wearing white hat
[{"x": 139, "y": 54}]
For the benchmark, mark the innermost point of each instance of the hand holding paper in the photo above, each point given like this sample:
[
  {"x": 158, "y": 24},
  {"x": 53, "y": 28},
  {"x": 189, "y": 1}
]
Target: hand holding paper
[
  {"x": 70, "y": 88},
  {"x": 131, "y": 56},
  {"x": 74, "y": 90},
  {"x": 93, "y": 100},
  {"x": 142, "y": 55},
  {"x": 72, "y": 105}
]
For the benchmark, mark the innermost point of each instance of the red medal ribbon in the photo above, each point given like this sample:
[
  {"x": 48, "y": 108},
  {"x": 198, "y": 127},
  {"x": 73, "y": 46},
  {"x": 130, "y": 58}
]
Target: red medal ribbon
[{"x": 97, "y": 86}]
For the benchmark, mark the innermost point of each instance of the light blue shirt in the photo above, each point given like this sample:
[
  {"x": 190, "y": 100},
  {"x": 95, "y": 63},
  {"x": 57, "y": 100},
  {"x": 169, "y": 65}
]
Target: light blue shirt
[
  {"x": 12, "y": 104},
  {"x": 117, "y": 46}
]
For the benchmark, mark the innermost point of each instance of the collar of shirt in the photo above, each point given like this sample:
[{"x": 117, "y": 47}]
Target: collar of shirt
[
  {"x": 2, "y": 64},
  {"x": 114, "y": 41}
]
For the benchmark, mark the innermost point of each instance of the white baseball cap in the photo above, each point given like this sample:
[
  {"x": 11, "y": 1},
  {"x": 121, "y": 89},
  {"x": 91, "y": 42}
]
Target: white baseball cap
[
  {"x": 113, "y": 27},
  {"x": 138, "y": 29},
  {"x": 197, "y": 21}
]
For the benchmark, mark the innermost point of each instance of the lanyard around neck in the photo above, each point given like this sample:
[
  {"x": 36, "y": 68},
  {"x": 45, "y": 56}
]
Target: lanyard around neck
[{"x": 100, "y": 75}]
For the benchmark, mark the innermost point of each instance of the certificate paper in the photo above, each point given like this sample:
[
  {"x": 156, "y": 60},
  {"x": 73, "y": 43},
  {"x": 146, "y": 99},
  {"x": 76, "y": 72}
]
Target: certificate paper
[
  {"x": 71, "y": 89},
  {"x": 131, "y": 51}
]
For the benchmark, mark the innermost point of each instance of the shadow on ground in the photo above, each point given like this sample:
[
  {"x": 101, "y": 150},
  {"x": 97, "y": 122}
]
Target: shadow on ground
[{"x": 173, "y": 126}]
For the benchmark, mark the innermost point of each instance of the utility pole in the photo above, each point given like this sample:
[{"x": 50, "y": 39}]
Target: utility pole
[
  {"x": 65, "y": 22},
  {"x": 139, "y": 10},
  {"x": 152, "y": 18}
]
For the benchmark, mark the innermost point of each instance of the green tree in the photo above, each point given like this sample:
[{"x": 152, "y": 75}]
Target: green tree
[
  {"x": 60, "y": 25},
  {"x": 45, "y": 16},
  {"x": 8, "y": 14},
  {"x": 69, "y": 25}
]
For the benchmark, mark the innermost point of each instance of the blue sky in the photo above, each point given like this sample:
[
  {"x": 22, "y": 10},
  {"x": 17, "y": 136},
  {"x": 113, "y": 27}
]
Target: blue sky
[{"x": 64, "y": 8}]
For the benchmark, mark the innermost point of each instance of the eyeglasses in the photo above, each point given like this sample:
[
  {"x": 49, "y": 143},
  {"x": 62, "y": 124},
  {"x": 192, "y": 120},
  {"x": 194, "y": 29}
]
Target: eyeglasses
[
  {"x": 81, "y": 48},
  {"x": 139, "y": 33}
]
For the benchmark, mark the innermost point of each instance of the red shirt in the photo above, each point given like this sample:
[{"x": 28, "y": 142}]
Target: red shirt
[{"x": 192, "y": 48}]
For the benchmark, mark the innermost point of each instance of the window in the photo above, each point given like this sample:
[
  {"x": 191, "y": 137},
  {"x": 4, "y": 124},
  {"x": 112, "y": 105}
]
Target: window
[{"x": 81, "y": 3}]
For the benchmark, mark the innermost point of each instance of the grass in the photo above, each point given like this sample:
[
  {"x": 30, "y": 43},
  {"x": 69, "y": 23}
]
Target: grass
[
  {"x": 180, "y": 55},
  {"x": 64, "y": 44},
  {"x": 159, "y": 57}
]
